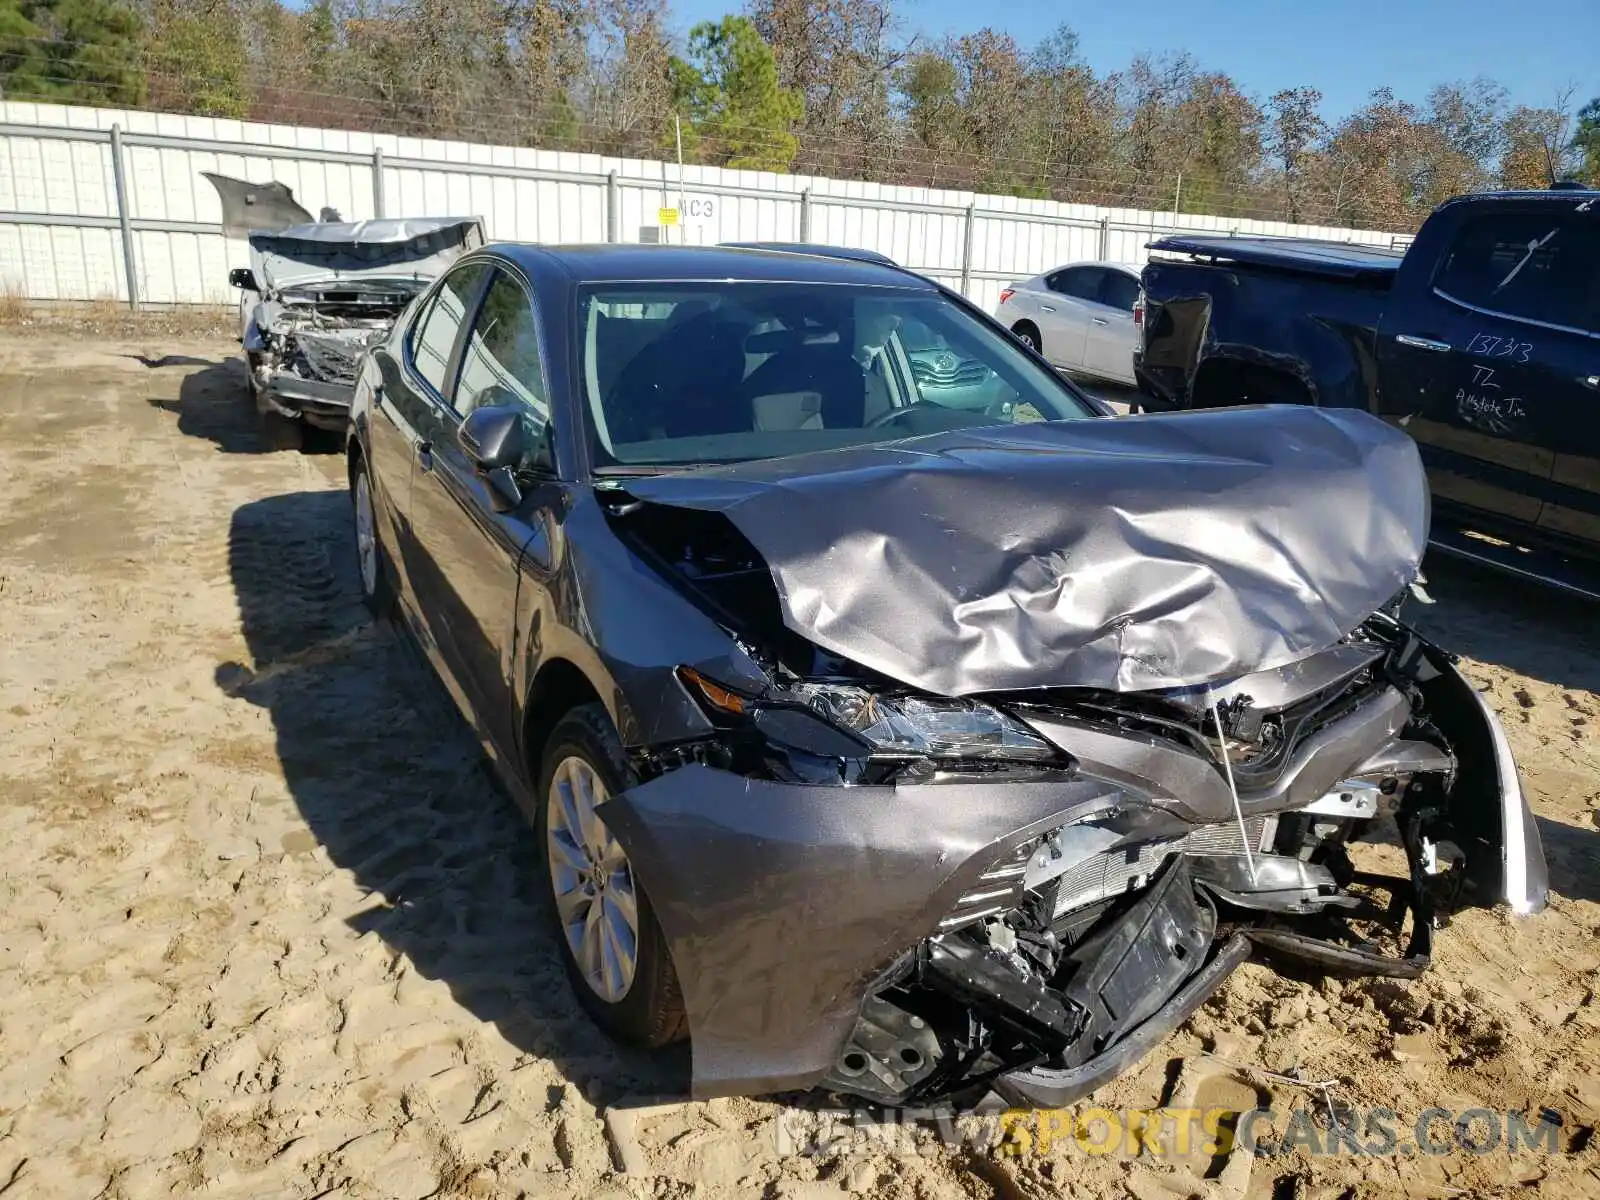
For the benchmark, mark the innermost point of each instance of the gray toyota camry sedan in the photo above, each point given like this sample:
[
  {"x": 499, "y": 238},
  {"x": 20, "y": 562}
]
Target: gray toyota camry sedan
[{"x": 902, "y": 746}]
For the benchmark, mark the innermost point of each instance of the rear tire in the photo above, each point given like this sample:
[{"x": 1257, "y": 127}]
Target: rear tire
[
  {"x": 377, "y": 589},
  {"x": 1028, "y": 334},
  {"x": 646, "y": 1008}
]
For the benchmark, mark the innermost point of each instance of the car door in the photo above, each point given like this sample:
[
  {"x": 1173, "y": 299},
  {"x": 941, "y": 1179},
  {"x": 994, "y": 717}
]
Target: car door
[
  {"x": 1572, "y": 507},
  {"x": 1112, "y": 335},
  {"x": 410, "y": 372},
  {"x": 471, "y": 550},
  {"x": 1485, "y": 362},
  {"x": 1072, "y": 293}
]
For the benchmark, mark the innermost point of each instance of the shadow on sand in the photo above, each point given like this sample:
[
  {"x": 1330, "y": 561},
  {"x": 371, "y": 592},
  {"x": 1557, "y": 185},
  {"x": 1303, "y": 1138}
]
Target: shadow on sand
[
  {"x": 214, "y": 404},
  {"x": 391, "y": 781},
  {"x": 1526, "y": 628}
]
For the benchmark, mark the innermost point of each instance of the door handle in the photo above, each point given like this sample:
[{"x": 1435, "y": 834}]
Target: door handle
[
  {"x": 1422, "y": 343},
  {"x": 1047, "y": 308},
  {"x": 425, "y": 455},
  {"x": 1100, "y": 320}
]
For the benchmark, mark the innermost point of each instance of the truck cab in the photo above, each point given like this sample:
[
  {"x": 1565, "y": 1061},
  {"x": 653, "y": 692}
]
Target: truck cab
[
  {"x": 1482, "y": 341},
  {"x": 1489, "y": 355}
]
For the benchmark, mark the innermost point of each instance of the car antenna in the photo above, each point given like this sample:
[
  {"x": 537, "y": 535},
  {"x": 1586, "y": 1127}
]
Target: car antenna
[{"x": 1233, "y": 790}]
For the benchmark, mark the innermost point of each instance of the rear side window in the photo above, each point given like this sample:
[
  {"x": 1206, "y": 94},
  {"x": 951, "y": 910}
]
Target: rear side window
[
  {"x": 1119, "y": 291},
  {"x": 1529, "y": 266},
  {"x": 433, "y": 337}
]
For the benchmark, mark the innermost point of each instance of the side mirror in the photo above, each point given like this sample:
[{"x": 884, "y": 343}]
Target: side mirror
[
  {"x": 494, "y": 438},
  {"x": 243, "y": 277}
]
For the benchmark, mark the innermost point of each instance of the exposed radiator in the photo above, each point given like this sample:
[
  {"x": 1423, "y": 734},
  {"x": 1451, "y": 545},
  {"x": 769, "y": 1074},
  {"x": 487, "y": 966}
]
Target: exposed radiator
[
  {"x": 1116, "y": 872},
  {"x": 1099, "y": 875}
]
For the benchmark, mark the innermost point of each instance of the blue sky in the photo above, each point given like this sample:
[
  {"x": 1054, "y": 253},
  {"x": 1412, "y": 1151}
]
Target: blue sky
[{"x": 1345, "y": 48}]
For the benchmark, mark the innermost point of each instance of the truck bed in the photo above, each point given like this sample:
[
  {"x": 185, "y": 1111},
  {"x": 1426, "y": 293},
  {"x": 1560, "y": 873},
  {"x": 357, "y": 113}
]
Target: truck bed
[{"x": 1340, "y": 260}]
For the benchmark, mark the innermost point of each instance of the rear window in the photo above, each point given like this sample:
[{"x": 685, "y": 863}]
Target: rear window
[{"x": 1529, "y": 266}]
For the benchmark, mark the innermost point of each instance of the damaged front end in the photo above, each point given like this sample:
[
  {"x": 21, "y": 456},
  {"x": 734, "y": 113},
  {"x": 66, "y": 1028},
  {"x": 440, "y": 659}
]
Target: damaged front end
[
  {"x": 304, "y": 347},
  {"x": 328, "y": 291},
  {"x": 930, "y": 883},
  {"x": 1027, "y": 894}
]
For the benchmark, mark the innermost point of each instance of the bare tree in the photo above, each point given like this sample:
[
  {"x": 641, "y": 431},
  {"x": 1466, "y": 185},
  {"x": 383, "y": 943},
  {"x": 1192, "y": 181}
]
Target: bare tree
[
  {"x": 1538, "y": 147},
  {"x": 1294, "y": 128}
]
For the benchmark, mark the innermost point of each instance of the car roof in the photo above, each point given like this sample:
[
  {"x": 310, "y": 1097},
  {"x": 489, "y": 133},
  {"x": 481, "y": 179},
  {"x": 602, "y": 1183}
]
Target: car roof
[
  {"x": 1566, "y": 189},
  {"x": 636, "y": 263},
  {"x": 815, "y": 248},
  {"x": 1125, "y": 268}
]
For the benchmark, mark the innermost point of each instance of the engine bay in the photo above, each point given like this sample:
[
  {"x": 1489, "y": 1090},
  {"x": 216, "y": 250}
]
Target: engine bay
[{"x": 321, "y": 335}]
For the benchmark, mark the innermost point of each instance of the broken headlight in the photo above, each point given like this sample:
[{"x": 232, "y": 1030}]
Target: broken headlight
[{"x": 928, "y": 726}]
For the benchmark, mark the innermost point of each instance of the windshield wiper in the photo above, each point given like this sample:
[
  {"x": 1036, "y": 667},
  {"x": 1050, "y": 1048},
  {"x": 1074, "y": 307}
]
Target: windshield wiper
[{"x": 618, "y": 471}]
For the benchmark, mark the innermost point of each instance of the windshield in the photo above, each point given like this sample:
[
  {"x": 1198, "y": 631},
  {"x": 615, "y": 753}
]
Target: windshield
[{"x": 684, "y": 373}]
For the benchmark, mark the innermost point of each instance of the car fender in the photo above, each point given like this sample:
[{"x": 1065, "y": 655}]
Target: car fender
[{"x": 782, "y": 903}]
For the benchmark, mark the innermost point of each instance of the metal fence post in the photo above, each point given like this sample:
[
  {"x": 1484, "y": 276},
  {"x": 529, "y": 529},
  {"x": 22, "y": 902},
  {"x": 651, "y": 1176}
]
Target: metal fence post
[
  {"x": 124, "y": 221},
  {"x": 613, "y": 217},
  {"x": 1105, "y": 239},
  {"x": 805, "y": 214},
  {"x": 966, "y": 248},
  {"x": 377, "y": 182}
]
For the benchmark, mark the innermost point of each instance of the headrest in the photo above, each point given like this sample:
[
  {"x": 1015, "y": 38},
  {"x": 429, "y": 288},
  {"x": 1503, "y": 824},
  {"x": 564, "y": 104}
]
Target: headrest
[{"x": 775, "y": 341}]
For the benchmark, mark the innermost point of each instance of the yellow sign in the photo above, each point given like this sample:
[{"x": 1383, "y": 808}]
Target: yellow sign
[{"x": 666, "y": 216}]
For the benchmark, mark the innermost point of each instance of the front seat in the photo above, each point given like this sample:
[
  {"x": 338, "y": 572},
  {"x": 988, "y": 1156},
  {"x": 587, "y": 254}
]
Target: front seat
[
  {"x": 823, "y": 370},
  {"x": 683, "y": 384}
]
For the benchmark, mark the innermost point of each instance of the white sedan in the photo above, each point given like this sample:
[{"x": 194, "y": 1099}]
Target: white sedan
[{"x": 1082, "y": 317}]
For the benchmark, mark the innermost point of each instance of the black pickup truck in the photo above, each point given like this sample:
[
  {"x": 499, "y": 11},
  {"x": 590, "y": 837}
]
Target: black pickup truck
[{"x": 1482, "y": 340}]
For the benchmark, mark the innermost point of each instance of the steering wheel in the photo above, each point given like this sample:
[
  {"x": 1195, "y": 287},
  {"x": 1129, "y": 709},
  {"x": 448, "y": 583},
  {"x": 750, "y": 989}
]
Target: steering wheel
[{"x": 894, "y": 414}]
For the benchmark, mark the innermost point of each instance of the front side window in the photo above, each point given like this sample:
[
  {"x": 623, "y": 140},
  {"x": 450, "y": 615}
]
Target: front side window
[
  {"x": 681, "y": 373},
  {"x": 500, "y": 361},
  {"x": 433, "y": 337},
  {"x": 501, "y": 367},
  {"x": 1533, "y": 266}
]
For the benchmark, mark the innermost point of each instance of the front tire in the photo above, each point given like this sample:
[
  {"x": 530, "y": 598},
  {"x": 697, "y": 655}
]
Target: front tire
[{"x": 614, "y": 951}]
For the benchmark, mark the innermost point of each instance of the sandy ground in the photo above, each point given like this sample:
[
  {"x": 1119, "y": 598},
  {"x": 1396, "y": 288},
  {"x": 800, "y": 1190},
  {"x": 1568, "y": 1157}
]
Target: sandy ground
[{"x": 267, "y": 928}]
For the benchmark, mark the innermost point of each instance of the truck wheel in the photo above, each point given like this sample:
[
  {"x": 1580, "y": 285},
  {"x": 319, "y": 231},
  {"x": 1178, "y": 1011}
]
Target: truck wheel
[
  {"x": 615, "y": 954},
  {"x": 1028, "y": 334}
]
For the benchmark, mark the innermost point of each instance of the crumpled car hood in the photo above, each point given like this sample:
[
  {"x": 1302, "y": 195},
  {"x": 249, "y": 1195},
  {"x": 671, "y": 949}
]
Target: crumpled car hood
[
  {"x": 1129, "y": 554},
  {"x": 251, "y": 207},
  {"x": 416, "y": 247}
]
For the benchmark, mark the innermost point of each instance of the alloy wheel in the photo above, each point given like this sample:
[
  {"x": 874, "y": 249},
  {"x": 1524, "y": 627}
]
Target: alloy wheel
[
  {"x": 366, "y": 536},
  {"x": 592, "y": 881}
]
